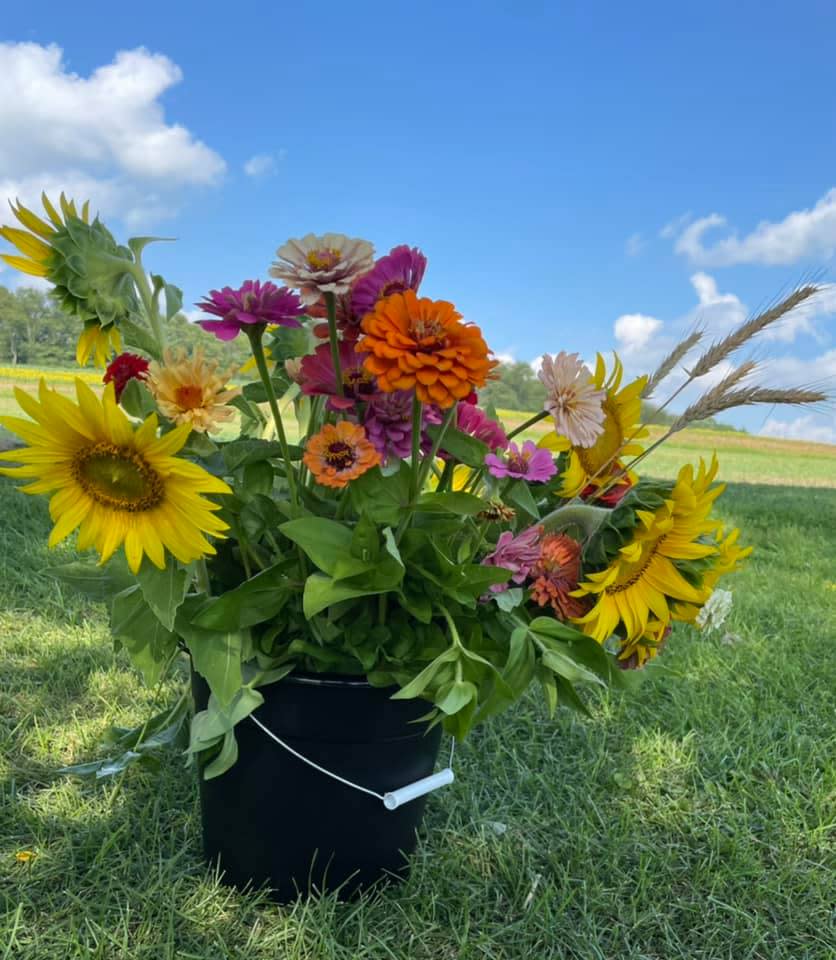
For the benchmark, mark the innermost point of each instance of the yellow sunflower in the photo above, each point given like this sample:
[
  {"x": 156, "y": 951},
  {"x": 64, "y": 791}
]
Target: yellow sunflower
[
  {"x": 619, "y": 438},
  {"x": 641, "y": 580},
  {"x": 97, "y": 342},
  {"x": 192, "y": 390},
  {"x": 116, "y": 483},
  {"x": 37, "y": 255},
  {"x": 729, "y": 555}
]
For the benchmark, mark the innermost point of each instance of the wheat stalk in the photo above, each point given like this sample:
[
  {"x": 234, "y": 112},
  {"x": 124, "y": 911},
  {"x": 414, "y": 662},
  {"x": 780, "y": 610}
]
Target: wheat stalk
[
  {"x": 718, "y": 352},
  {"x": 670, "y": 361},
  {"x": 717, "y": 400}
]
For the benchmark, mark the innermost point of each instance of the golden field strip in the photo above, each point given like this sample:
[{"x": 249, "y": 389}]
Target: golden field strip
[{"x": 744, "y": 458}]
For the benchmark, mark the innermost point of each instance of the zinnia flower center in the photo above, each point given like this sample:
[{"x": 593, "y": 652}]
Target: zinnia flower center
[
  {"x": 118, "y": 478},
  {"x": 325, "y": 259},
  {"x": 358, "y": 381},
  {"x": 427, "y": 331},
  {"x": 518, "y": 462},
  {"x": 339, "y": 455},
  {"x": 189, "y": 396},
  {"x": 393, "y": 286}
]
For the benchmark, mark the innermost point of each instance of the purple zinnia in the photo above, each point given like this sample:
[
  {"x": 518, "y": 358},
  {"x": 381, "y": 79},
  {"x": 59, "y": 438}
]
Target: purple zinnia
[
  {"x": 517, "y": 554},
  {"x": 388, "y": 424},
  {"x": 401, "y": 269},
  {"x": 530, "y": 463},
  {"x": 253, "y": 303}
]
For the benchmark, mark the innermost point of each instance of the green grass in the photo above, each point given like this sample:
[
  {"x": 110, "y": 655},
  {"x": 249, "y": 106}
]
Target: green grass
[{"x": 695, "y": 820}]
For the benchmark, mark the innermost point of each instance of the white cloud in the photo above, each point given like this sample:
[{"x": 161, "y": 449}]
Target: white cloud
[
  {"x": 103, "y": 136},
  {"x": 634, "y": 331},
  {"x": 506, "y": 357},
  {"x": 801, "y": 234},
  {"x": 809, "y": 427},
  {"x": 260, "y": 165},
  {"x": 634, "y": 244},
  {"x": 673, "y": 227}
]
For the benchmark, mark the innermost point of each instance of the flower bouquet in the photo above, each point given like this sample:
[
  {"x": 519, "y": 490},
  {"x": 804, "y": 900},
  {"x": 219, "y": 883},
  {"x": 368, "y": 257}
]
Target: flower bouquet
[{"x": 347, "y": 510}]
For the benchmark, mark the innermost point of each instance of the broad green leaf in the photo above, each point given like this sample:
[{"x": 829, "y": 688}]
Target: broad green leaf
[
  {"x": 149, "y": 644},
  {"x": 254, "y": 601},
  {"x": 136, "y": 399},
  {"x": 462, "y": 504},
  {"x": 98, "y": 583},
  {"x": 225, "y": 759},
  {"x": 508, "y": 599},
  {"x": 365, "y": 540},
  {"x": 382, "y": 499},
  {"x": 324, "y": 541},
  {"x": 258, "y": 479},
  {"x": 519, "y": 494},
  {"x": 241, "y": 452},
  {"x": 420, "y": 683},
  {"x": 455, "y": 695},
  {"x": 163, "y": 590},
  {"x": 322, "y": 591},
  {"x": 212, "y": 723},
  {"x": 461, "y": 446},
  {"x": 217, "y": 658},
  {"x": 565, "y": 666}
]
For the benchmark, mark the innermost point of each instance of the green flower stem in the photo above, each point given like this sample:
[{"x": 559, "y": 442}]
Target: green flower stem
[
  {"x": 528, "y": 423},
  {"x": 417, "y": 424},
  {"x": 149, "y": 301},
  {"x": 255, "y": 333},
  {"x": 446, "y": 477},
  {"x": 202, "y": 576},
  {"x": 331, "y": 305},
  {"x": 428, "y": 461}
]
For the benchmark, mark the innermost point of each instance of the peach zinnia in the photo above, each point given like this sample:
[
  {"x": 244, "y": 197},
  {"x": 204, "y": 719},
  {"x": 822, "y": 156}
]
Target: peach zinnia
[
  {"x": 422, "y": 344},
  {"x": 339, "y": 453}
]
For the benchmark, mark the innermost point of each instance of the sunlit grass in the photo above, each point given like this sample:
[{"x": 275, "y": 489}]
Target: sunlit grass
[{"x": 695, "y": 820}]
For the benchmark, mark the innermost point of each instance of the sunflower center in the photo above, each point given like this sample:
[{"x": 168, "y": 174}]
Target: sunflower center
[
  {"x": 189, "y": 396},
  {"x": 325, "y": 259},
  {"x": 606, "y": 447},
  {"x": 339, "y": 455},
  {"x": 118, "y": 478},
  {"x": 633, "y": 572}
]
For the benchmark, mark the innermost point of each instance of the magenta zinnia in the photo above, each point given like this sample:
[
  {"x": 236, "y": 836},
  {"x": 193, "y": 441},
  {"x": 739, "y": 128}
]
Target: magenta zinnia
[
  {"x": 388, "y": 424},
  {"x": 253, "y": 303},
  {"x": 401, "y": 269},
  {"x": 318, "y": 376},
  {"x": 530, "y": 463}
]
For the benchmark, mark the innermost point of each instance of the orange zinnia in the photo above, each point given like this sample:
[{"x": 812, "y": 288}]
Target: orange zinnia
[
  {"x": 339, "y": 453},
  {"x": 422, "y": 344}
]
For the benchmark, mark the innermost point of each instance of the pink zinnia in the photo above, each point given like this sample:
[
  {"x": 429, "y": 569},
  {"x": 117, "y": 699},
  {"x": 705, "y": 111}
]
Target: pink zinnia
[
  {"x": 471, "y": 420},
  {"x": 388, "y": 423},
  {"x": 517, "y": 554},
  {"x": 530, "y": 463},
  {"x": 254, "y": 303},
  {"x": 317, "y": 376},
  {"x": 401, "y": 269}
]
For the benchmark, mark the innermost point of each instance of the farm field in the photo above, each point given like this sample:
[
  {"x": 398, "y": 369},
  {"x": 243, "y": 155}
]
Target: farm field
[{"x": 694, "y": 819}]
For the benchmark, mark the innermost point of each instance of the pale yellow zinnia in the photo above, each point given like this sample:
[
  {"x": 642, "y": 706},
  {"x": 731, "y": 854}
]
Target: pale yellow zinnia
[{"x": 192, "y": 390}]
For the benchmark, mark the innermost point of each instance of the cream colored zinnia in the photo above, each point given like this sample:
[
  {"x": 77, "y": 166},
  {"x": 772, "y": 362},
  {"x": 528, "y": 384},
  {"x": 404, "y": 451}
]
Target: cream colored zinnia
[
  {"x": 192, "y": 390},
  {"x": 322, "y": 264},
  {"x": 572, "y": 398}
]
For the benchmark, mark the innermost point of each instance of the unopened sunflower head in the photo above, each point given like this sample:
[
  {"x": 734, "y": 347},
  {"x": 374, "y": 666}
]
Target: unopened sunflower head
[
  {"x": 192, "y": 390},
  {"x": 91, "y": 274}
]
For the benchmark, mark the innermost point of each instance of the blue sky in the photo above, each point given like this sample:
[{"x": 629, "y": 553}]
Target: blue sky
[{"x": 564, "y": 166}]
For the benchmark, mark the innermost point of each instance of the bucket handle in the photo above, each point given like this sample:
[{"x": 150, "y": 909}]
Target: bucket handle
[{"x": 391, "y": 800}]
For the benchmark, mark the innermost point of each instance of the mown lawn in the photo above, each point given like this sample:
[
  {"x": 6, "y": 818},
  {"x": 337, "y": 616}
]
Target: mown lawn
[{"x": 695, "y": 820}]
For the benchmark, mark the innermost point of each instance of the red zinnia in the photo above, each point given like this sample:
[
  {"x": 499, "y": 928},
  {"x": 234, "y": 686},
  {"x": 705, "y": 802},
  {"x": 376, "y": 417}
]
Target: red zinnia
[
  {"x": 555, "y": 575},
  {"x": 125, "y": 367}
]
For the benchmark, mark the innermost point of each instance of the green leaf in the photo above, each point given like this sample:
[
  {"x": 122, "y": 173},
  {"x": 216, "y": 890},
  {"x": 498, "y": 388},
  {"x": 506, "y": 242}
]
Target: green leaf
[
  {"x": 136, "y": 399},
  {"x": 382, "y": 498},
  {"x": 258, "y": 479},
  {"x": 420, "y": 683},
  {"x": 519, "y": 494},
  {"x": 461, "y": 446},
  {"x": 462, "y": 504},
  {"x": 509, "y": 599},
  {"x": 209, "y": 725},
  {"x": 520, "y": 665},
  {"x": 136, "y": 335},
  {"x": 365, "y": 541},
  {"x": 565, "y": 666},
  {"x": 254, "y": 601},
  {"x": 455, "y": 695},
  {"x": 322, "y": 591},
  {"x": 324, "y": 541},
  {"x": 149, "y": 644},
  {"x": 98, "y": 583},
  {"x": 225, "y": 759},
  {"x": 241, "y": 452},
  {"x": 163, "y": 590},
  {"x": 217, "y": 658}
]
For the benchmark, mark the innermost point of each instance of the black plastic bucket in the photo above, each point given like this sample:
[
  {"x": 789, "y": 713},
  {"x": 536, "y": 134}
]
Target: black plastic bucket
[{"x": 271, "y": 820}]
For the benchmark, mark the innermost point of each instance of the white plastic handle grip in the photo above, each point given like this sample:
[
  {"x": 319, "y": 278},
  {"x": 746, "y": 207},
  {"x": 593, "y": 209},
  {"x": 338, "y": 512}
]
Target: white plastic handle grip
[{"x": 397, "y": 798}]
